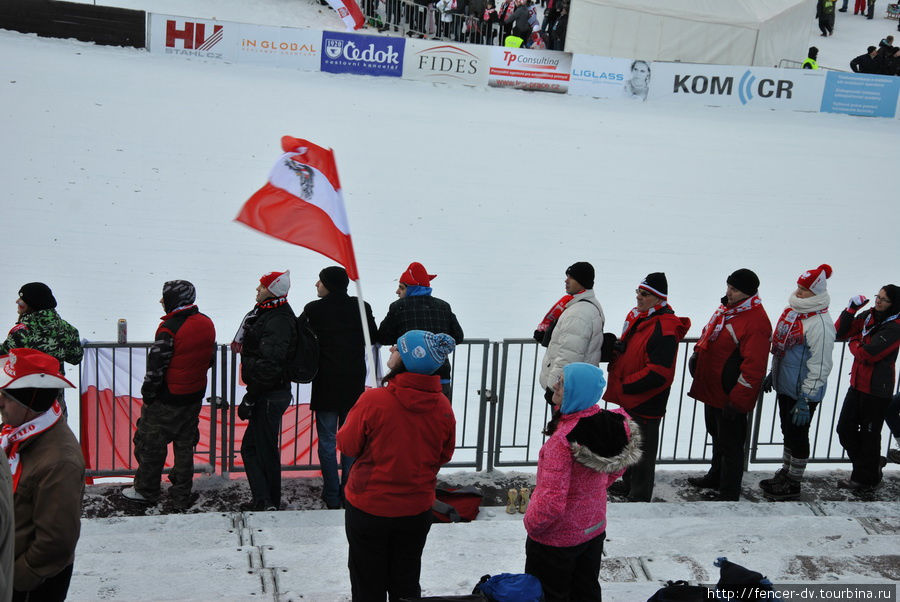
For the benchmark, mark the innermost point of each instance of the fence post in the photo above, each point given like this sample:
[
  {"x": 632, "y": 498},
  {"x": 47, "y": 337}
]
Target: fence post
[{"x": 491, "y": 398}]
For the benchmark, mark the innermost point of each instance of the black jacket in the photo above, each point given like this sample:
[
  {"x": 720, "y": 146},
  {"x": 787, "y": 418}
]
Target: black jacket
[
  {"x": 341, "y": 378},
  {"x": 269, "y": 338},
  {"x": 864, "y": 64},
  {"x": 420, "y": 312}
]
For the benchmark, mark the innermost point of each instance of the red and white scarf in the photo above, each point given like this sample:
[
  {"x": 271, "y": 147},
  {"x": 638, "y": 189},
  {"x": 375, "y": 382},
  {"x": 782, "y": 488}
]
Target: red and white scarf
[
  {"x": 554, "y": 313},
  {"x": 724, "y": 314},
  {"x": 789, "y": 329},
  {"x": 11, "y": 438},
  {"x": 635, "y": 314},
  {"x": 267, "y": 304}
]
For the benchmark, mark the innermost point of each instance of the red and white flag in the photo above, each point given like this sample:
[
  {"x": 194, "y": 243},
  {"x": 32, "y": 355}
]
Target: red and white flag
[
  {"x": 302, "y": 203},
  {"x": 348, "y": 11}
]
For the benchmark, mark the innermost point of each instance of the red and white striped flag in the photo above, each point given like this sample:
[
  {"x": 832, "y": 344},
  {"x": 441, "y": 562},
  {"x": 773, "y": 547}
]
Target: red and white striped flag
[
  {"x": 302, "y": 203},
  {"x": 348, "y": 11}
]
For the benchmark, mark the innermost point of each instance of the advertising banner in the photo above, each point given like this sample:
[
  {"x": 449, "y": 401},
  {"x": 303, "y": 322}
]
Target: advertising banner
[
  {"x": 860, "y": 94},
  {"x": 599, "y": 76},
  {"x": 728, "y": 85},
  {"x": 362, "y": 55},
  {"x": 279, "y": 46},
  {"x": 195, "y": 38},
  {"x": 523, "y": 69},
  {"x": 445, "y": 62}
]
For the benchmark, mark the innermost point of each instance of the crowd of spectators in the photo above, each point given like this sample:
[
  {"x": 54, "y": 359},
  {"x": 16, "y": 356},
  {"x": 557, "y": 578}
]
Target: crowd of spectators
[{"x": 883, "y": 59}]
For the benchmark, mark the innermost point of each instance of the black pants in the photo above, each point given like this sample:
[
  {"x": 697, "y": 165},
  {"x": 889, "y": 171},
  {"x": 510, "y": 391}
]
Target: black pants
[
  {"x": 571, "y": 573},
  {"x": 260, "y": 450},
  {"x": 728, "y": 431},
  {"x": 159, "y": 425},
  {"x": 859, "y": 431},
  {"x": 640, "y": 477},
  {"x": 385, "y": 556},
  {"x": 796, "y": 438},
  {"x": 53, "y": 589}
]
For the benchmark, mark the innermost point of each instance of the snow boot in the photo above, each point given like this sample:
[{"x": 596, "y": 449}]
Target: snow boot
[
  {"x": 767, "y": 485},
  {"x": 130, "y": 493},
  {"x": 524, "y": 498},
  {"x": 894, "y": 455},
  {"x": 513, "y": 501},
  {"x": 783, "y": 489},
  {"x": 704, "y": 482}
]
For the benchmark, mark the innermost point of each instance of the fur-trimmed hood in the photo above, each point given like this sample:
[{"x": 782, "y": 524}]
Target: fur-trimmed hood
[{"x": 628, "y": 456}]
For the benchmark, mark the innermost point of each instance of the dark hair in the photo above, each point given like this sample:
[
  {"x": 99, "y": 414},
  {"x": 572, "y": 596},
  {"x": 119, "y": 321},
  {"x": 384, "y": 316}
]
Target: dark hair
[
  {"x": 554, "y": 422},
  {"x": 871, "y": 48},
  {"x": 394, "y": 372}
]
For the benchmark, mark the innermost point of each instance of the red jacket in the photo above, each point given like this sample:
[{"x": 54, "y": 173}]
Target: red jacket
[
  {"x": 640, "y": 377},
  {"x": 874, "y": 355},
  {"x": 400, "y": 435},
  {"x": 731, "y": 369}
]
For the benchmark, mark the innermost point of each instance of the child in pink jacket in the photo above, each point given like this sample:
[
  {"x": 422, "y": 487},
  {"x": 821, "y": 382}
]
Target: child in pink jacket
[{"x": 587, "y": 450}]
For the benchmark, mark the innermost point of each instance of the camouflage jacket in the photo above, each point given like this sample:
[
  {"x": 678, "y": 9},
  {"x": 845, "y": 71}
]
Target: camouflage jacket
[{"x": 45, "y": 331}]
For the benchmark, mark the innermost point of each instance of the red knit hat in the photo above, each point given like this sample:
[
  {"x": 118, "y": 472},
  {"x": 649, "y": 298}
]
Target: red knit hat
[
  {"x": 416, "y": 275},
  {"x": 815, "y": 279},
  {"x": 278, "y": 283}
]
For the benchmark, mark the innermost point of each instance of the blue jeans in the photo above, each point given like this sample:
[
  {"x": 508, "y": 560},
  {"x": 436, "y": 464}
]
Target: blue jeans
[{"x": 327, "y": 424}]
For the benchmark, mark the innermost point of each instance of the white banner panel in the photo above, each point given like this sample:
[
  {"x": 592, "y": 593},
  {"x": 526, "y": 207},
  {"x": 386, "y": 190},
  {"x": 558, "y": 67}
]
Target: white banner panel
[
  {"x": 599, "y": 76},
  {"x": 523, "y": 69},
  {"x": 196, "y": 38},
  {"x": 445, "y": 62},
  {"x": 287, "y": 47},
  {"x": 724, "y": 85}
]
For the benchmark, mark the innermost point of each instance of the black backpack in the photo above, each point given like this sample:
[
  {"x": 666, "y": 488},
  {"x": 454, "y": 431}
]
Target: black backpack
[{"x": 304, "y": 363}]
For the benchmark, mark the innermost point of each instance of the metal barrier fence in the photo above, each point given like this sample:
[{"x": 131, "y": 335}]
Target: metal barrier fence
[{"x": 498, "y": 403}]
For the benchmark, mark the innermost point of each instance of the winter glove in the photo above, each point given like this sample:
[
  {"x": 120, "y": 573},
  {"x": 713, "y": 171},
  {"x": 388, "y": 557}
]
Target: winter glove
[
  {"x": 245, "y": 410},
  {"x": 548, "y": 395},
  {"x": 538, "y": 335},
  {"x": 800, "y": 414},
  {"x": 856, "y": 303},
  {"x": 692, "y": 363},
  {"x": 767, "y": 383}
]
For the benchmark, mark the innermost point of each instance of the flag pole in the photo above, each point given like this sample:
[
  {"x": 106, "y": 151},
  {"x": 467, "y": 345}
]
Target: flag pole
[{"x": 370, "y": 352}]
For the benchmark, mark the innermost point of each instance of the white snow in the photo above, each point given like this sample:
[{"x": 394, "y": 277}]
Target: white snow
[{"x": 123, "y": 169}]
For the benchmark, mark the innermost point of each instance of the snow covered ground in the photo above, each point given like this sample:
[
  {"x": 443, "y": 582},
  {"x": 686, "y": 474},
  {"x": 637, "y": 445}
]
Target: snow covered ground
[{"x": 123, "y": 169}]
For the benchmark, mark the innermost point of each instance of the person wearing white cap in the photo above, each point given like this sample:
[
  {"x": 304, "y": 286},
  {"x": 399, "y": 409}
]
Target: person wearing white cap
[
  {"x": 802, "y": 344},
  {"x": 47, "y": 469},
  {"x": 266, "y": 340}
]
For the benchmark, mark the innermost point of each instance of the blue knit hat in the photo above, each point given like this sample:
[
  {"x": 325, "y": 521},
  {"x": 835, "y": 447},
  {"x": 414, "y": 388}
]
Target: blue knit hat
[
  {"x": 583, "y": 385},
  {"x": 424, "y": 352}
]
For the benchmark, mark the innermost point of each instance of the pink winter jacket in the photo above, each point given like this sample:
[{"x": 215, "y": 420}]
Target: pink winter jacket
[{"x": 568, "y": 506}]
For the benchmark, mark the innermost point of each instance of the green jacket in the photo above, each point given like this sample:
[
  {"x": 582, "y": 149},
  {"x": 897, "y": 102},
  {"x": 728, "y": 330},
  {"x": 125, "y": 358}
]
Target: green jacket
[{"x": 45, "y": 331}]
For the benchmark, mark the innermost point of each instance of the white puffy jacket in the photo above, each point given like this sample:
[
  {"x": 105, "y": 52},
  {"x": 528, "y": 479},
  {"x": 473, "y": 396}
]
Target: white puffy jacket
[{"x": 577, "y": 337}]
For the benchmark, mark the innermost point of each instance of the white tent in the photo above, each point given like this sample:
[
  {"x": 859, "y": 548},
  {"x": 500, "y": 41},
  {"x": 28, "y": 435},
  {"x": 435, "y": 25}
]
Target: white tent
[{"x": 726, "y": 32}]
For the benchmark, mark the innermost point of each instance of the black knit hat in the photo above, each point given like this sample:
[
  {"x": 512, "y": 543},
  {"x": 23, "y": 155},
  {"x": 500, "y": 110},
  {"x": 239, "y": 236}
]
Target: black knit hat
[
  {"x": 582, "y": 272},
  {"x": 656, "y": 284},
  {"x": 893, "y": 293},
  {"x": 37, "y": 296},
  {"x": 335, "y": 279},
  {"x": 745, "y": 281}
]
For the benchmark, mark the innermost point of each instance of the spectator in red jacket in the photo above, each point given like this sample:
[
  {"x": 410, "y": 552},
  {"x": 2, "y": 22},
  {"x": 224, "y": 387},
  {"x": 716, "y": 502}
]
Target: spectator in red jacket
[
  {"x": 641, "y": 374},
  {"x": 172, "y": 393},
  {"x": 874, "y": 339},
  {"x": 728, "y": 366},
  {"x": 400, "y": 435}
]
